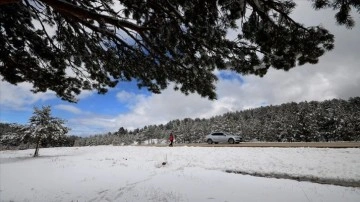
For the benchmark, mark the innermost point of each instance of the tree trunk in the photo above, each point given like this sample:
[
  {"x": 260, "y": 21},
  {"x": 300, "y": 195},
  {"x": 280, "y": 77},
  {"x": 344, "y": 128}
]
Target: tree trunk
[{"x": 37, "y": 148}]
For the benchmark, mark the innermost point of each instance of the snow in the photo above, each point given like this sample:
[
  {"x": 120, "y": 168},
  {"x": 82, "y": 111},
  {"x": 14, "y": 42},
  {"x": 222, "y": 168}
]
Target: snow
[{"x": 137, "y": 173}]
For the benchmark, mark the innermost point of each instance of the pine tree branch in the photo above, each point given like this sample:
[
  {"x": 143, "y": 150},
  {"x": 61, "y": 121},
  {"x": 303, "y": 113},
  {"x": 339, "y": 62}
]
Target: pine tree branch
[
  {"x": 286, "y": 16},
  {"x": 75, "y": 11}
]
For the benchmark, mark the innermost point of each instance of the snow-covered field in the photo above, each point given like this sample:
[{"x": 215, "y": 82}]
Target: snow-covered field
[{"x": 137, "y": 173}]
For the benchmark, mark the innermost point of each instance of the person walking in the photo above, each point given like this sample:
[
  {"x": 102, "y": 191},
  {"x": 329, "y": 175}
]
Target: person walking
[{"x": 171, "y": 138}]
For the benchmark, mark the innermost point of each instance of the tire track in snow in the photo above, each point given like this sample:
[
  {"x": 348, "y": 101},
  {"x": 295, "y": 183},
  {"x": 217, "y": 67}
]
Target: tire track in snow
[{"x": 313, "y": 179}]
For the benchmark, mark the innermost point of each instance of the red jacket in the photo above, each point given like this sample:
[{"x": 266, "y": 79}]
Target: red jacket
[{"x": 171, "y": 138}]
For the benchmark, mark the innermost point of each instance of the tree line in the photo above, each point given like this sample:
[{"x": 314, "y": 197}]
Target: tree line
[{"x": 329, "y": 120}]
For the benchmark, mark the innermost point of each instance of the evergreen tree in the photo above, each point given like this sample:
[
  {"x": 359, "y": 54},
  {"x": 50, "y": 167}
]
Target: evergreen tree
[
  {"x": 43, "y": 126},
  {"x": 122, "y": 131},
  {"x": 10, "y": 134}
]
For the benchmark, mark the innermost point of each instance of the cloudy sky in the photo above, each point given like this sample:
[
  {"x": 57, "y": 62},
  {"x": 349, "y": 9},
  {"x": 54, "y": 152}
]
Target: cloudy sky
[{"x": 337, "y": 75}]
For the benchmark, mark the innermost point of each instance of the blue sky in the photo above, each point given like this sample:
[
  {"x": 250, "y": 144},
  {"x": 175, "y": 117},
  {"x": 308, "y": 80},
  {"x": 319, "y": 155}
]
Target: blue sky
[{"x": 337, "y": 75}]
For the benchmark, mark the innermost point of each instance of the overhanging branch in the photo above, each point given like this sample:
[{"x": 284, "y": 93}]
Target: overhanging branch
[{"x": 76, "y": 11}]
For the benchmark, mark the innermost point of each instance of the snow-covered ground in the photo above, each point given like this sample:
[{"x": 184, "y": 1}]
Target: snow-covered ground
[{"x": 137, "y": 173}]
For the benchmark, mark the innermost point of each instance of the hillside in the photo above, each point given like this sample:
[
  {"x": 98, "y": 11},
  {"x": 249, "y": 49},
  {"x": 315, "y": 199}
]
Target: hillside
[{"x": 331, "y": 120}]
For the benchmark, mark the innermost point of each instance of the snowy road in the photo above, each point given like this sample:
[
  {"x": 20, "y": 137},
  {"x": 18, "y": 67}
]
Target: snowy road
[{"x": 279, "y": 144}]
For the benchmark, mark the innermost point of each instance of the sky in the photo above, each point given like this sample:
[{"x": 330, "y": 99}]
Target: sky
[
  {"x": 137, "y": 173},
  {"x": 336, "y": 75}
]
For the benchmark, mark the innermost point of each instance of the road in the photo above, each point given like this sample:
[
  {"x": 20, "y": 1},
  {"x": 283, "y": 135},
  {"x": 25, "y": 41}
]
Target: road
[{"x": 280, "y": 144}]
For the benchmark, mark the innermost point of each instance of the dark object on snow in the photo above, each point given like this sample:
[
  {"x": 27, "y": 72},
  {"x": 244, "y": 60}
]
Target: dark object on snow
[{"x": 163, "y": 163}]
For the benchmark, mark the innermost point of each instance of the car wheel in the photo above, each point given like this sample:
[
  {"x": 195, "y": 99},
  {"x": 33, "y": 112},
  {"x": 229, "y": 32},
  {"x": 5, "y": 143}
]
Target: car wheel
[
  {"x": 209, "y": 141},
  {"x": 231, "y": 141}
]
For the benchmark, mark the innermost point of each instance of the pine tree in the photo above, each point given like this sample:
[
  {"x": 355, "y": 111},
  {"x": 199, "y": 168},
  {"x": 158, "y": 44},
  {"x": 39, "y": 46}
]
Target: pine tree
[
  {"x": 44, "y": 126},
  {"x": 69, "y": 46}
]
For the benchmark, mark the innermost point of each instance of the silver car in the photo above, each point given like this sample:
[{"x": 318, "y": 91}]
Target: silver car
[{"x": 222, "y": 137}]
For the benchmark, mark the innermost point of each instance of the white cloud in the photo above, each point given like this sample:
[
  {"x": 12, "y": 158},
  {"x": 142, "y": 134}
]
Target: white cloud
[
  {"x": 129, "y": 97},
  {"x": 68, "y": 108},
  {"x": 92, "y": 124},
  {"x": 20, "y": 97},
  {"x": 124, "y": 96}
]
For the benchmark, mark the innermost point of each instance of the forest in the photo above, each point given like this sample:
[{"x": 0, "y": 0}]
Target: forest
[{"x": 329, "y": 120}]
